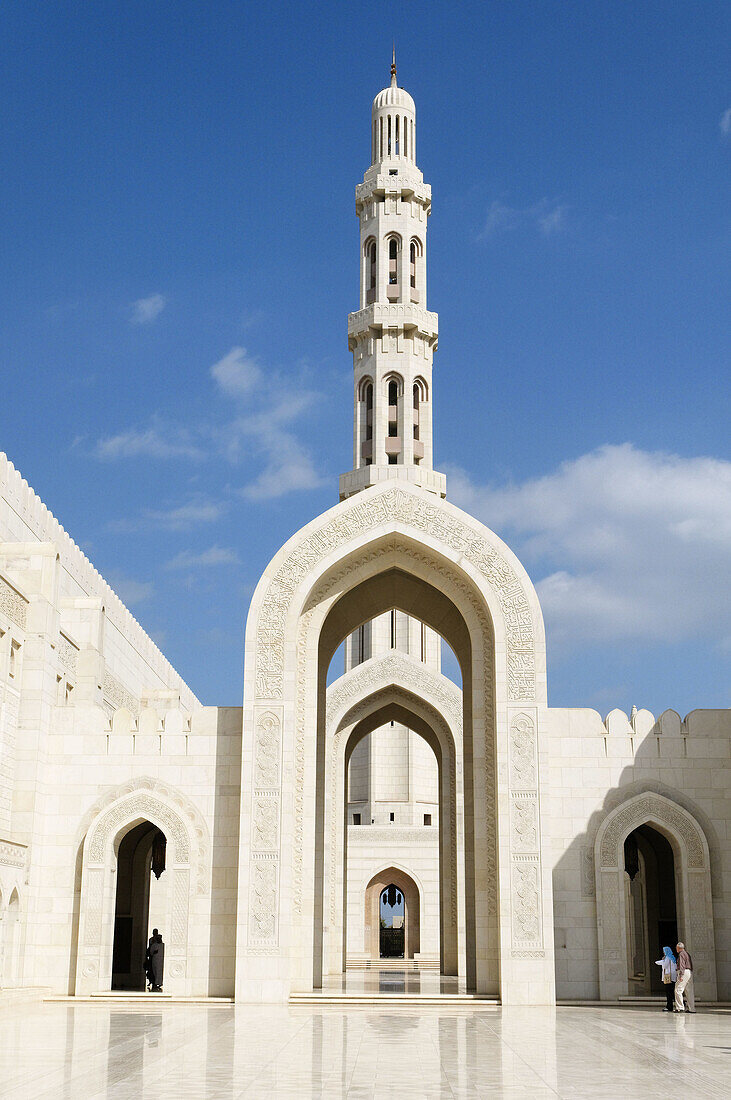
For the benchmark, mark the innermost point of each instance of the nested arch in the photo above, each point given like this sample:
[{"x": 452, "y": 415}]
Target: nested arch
[
  {"x": 692, "y": 884},
  {"x": 396, "y": 688},
  {"x": 412, "y": 894}
]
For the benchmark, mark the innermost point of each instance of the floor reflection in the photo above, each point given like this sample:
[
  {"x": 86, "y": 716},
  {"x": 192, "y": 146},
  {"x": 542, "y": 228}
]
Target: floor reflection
[{"x": 225, "y": 1052}]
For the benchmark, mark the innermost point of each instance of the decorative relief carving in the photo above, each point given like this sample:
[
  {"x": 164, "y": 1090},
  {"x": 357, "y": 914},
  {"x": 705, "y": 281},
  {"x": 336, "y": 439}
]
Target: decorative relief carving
[
  {"x": 526, "y": 902},
  {"x": 118, "y": 695},
  {"x": 12, "y": 855},
  {"x": 651, "y": 808},
  {"x": 396, "y": 668},
  {"x": 268, "y": 740},
  {"x": 588, "y": 888},
  {"x": 94, "y": 893},
  {"x": 608, "y": 916},
  {"x": 524, "y": 825},
  {"x": 263, "y": 900},
  {"x": 422, "y": 515},
  {"x": 67, "y": 654},
  {"x": 265, "y": 826},
  {"x": 527, "y": 954},
  {"x": 523, "y": 752},
  {"x": 13, "y": 604},
  {"x": 158, "y": 794},
  {"x": 181, "y": 899},
  {"x": 144, "y": 806}
]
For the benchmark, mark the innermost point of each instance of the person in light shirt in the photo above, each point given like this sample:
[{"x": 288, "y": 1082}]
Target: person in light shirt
[{"x": 684, "y": 984}]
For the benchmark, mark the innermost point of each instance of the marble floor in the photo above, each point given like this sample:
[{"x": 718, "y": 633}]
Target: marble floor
[{"x": 202, "y": 1052}]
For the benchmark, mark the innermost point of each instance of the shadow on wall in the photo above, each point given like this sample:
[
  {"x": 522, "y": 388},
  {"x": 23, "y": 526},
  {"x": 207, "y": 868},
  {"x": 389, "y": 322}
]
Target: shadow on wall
[{"x": 674, "y": 760}]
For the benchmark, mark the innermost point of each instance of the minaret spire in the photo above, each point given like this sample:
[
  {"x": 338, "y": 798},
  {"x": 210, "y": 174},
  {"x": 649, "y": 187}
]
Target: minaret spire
[{"x": 393, "y": 335}]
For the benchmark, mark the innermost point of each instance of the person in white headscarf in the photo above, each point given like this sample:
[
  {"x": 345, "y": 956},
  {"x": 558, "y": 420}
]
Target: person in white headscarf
[{"x": 669, "y": 966}]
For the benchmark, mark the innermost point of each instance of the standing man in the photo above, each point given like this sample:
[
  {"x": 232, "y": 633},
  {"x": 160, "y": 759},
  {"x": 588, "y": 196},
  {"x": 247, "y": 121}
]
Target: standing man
[
  {"x": 684, "y": 984},
  {"x": 154, "y": 962}
]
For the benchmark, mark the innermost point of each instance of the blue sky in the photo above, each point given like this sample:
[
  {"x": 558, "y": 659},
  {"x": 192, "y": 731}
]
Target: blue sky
[{"x": 180, "y": 254}]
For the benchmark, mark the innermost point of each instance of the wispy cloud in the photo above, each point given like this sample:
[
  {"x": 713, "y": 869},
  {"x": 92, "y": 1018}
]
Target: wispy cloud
[
  {"x": 268, "y": 430},
  {"x": 145, "y": 310},
  {"x": 632, "y": 544},
  {"x": 725, "y": 122},
  {"x": 131, "y": 592},
  {"x": 237, "y": 374},
  {"x": 548, "y": 217},
  {"x": 153, "y": 442},
  {"x": 260, "y": 426},
  {"x": 213, "y": 556},
  {"x": 184, "y": 517}
]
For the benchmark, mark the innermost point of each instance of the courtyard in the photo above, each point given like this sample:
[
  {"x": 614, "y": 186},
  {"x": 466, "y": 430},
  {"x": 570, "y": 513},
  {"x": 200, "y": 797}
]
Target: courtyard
[{"x": 176, "y": 1051}]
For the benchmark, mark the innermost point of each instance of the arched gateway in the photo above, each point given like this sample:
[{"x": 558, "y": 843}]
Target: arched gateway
[{"x": 393, "y": 545}]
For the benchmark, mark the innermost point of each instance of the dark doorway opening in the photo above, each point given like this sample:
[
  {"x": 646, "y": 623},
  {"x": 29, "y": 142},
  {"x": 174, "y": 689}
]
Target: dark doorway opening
[
  {"x": 651, "y": 906},
  {"x": 393, "y": 923},
  {"x": 132, "y": 906}
]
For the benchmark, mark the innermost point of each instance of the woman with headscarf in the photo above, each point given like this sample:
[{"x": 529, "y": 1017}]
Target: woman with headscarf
[{"x": 669, "y": 965}]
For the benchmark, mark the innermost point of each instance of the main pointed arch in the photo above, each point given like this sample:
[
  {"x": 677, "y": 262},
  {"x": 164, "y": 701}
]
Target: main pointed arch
[{"x": 391, "y": 546}]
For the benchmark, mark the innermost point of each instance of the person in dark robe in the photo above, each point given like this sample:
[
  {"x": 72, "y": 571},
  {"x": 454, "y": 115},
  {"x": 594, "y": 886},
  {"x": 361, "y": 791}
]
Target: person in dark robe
[{"x": 155, "y": 962}]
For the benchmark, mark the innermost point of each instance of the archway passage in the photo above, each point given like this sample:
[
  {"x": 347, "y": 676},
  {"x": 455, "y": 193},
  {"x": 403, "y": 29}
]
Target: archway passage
[
  {"x": 392, "y": 915},
  {"x": 652, "y": 921},
  {"x": 392, "y": 938},
  {"x": 140, "y": 902}
]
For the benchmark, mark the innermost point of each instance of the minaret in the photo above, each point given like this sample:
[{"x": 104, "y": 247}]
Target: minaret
[{"x": 393, "y": 336}]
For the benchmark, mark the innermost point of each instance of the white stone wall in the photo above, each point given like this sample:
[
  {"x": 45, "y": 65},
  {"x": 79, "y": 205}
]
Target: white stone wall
[
  {"x": 592, "y": 768},
  {"x": 413, "y": 850}
]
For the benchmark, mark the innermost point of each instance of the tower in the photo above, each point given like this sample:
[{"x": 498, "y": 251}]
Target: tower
[{"x": 393, "y": 336}]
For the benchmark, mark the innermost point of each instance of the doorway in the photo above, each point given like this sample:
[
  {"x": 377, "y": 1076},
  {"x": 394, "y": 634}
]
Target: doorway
[
  {"x": 392, "y": 937},
  {"x": 139, "y": 902},
  {"x": 652, "y": 921}
]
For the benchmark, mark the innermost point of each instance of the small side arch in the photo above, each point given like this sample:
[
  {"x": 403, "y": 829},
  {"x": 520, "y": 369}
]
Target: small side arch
[
  {"x": 692, "y": 885},
  {"x": 140, "y": 800},
  {"x": 407, "y": 884}
]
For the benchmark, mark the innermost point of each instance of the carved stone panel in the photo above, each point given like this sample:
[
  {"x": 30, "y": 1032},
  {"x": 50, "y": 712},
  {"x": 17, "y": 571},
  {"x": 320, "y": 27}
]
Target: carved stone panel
[
  {"x": 523, "y": 752},
  {"x": 181, "y": 899},
  {"x": 526, "y": 902},
  {"x": 263, "y": 901},
  {"x": 267, "y": 749}
]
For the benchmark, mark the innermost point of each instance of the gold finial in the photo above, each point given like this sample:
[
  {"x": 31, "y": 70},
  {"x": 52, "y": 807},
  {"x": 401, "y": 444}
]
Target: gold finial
[{"x": 393, "y": 66}]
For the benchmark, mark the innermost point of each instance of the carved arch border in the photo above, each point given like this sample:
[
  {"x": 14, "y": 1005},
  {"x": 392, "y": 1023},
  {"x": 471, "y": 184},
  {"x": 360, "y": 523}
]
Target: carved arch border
[
  {"x": 165, "y": 794},
  {"x": 694, "y": 904}
]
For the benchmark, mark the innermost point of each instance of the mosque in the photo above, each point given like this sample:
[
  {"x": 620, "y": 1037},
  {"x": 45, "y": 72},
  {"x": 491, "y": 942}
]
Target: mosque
[{"x": 387, "y": 820}]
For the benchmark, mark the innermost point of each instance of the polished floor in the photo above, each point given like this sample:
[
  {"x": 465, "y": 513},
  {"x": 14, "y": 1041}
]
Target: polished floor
[{"x": 201, "y": 1052}]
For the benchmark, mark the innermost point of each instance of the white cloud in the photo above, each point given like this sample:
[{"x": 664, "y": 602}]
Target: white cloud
[
  {"x": 237, "y": 374},
  {"x": 153, "y": 442},
  {"x": 548, "y": 217},
  {"x": 215, "y": 555},
  {"x": 725, "y": 122},
  {"x": 145, "y": 310},
  {"x": 552, "y": 219},
  {"x": 187, "y": 515},
  {"x": 631, "y": 544},
  {"x": 131, "y": 592}
]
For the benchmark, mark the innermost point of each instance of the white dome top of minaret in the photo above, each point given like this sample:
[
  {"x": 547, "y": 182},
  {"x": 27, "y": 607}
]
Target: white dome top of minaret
[{"x": 393, "y": 96}]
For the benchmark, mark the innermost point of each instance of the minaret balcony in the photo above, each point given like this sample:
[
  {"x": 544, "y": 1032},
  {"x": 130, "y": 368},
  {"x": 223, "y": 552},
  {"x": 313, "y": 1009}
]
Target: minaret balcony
[
  {"x": 403, "y": 315},
  {"x": 406, "y": 182}
]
